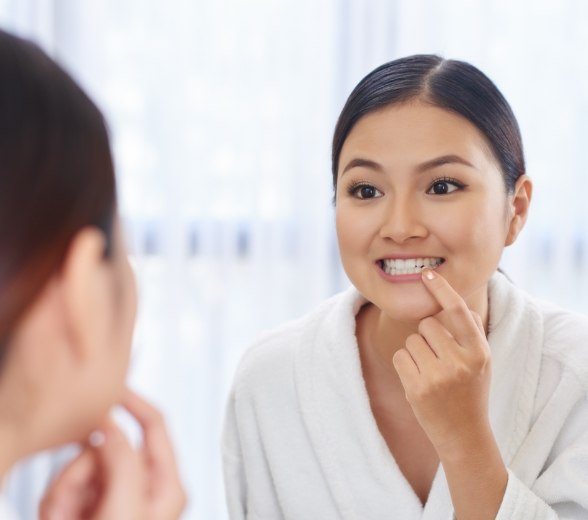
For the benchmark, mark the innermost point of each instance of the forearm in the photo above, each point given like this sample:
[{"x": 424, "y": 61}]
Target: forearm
[{"x": 477, "y": 477}]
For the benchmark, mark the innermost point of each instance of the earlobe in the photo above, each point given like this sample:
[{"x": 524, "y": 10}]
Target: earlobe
[{"x": 519, "y": 203}]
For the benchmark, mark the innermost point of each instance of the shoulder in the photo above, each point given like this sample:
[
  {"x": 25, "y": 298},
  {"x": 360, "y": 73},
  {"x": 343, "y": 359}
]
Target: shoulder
[
  {"x": 561, "y": 335},
  {"x": 565, "y": 338},
  {"x": 272, "y": 354}
]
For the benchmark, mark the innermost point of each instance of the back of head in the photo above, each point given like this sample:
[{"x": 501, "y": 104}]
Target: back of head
[
  {"x": 449, "y": 84},
  {"x": 56, "y": 173}
]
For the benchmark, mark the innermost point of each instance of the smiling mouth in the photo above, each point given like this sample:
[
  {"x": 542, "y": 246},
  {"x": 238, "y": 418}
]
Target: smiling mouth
[{"x": 400, "y": 266}]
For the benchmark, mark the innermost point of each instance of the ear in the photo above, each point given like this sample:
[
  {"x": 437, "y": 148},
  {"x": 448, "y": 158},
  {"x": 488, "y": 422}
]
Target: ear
[
  {"x": 518, "y": 208},
  {"x": 85, "y": 289},
  {"x": 52, "y": 345}
]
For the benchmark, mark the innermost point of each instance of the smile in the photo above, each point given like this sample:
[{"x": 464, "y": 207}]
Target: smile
[{"x": 400, "y": 266}]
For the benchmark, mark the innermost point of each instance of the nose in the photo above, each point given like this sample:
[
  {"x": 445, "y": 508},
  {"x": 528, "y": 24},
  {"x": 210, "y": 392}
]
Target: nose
[{"x": 402, "y": 221}]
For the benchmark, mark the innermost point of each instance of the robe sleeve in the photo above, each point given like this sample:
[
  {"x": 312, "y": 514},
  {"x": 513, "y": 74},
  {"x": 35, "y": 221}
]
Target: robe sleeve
[
  {"x": 520, "y": 503},
  {"x": 560, "y": 491},
  {"x": 233, "y": 469}
]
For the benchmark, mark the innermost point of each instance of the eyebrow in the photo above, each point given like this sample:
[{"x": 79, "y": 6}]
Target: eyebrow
[
  {"x": 362, "y": 163},
  {"x": 428, "y": 165},
  {"x": 441, "y": 161}
]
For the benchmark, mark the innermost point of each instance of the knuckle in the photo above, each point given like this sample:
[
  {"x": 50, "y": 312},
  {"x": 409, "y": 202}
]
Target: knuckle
[
  {"x": 459, "y": 309},
  {"x": 418, "y": 395},
  {"x": 481, "y": 360},
  {"x": 437, "y": 385},
  {"x": 424, "y": 392},
  {"x": 460, "y": 373}
]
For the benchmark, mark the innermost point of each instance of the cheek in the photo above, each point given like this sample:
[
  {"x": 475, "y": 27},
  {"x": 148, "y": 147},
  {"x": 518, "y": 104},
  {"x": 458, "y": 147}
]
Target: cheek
[
  {"x": 349, "y": 239},
  {"x": 124, "y": 306},
  {"x": 344, "y": 234},
  {"x": 480, "y": 228},
  {"x": 129, "y": 302},
  {"x": 355, "y": 229}
]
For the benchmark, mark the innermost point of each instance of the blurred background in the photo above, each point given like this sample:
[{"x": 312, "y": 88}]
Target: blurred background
[{"x": 221, "y": 114}]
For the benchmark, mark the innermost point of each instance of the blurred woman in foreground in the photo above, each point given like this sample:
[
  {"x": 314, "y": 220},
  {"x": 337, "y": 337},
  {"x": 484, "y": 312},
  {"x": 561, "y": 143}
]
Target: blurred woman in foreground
[{"x": 68, "y": 302}]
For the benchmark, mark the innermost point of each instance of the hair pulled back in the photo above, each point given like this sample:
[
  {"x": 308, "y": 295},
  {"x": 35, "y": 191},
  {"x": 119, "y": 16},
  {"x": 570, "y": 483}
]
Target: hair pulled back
[
  {"x": 449, "y": 84},
  {"x": 56, "y": 173}
]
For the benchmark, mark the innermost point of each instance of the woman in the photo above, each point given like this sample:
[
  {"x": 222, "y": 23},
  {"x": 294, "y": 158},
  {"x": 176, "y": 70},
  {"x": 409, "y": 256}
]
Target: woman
[
  {"x": 68, "y": 302},
  {"x": 434, "y": 386}
]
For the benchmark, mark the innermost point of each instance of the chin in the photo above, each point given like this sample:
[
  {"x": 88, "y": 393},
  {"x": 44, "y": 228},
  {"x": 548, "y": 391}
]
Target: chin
[
  {"x": 411, "y": 314},
  {"x": 408, "y": 309}
]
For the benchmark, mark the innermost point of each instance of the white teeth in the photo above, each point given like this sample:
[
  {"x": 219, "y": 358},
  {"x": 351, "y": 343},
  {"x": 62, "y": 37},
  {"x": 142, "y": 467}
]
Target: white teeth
[{"x": 409, "y": 265}]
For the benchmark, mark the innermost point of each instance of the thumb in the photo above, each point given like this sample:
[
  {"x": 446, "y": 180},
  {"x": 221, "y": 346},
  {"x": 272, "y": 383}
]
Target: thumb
[{"x": 72, "y": 491}]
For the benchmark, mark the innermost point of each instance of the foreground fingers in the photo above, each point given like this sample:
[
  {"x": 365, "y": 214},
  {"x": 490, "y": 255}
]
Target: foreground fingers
[
  {"x": 105, "y": 481},
  {"x": 71, "y": 492},
  {"x": 167, "y": 498}
]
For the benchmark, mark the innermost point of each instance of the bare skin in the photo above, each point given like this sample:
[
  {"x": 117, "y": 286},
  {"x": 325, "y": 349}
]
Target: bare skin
[
  {"x": 112, "y": 480},
  {"x": 415, "y": 455},
  {"x": 445, "y": 371},
  {"x": 439, "y": 381}
]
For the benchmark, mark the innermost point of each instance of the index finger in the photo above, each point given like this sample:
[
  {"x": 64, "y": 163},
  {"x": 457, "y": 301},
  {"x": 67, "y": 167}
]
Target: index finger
[
  {"x": 157, "y": 446},
  {"x": 462, "y": 324}
]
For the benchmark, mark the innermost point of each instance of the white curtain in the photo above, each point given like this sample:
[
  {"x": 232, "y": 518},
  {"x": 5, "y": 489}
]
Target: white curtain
[{"x": 221, "y": 116}]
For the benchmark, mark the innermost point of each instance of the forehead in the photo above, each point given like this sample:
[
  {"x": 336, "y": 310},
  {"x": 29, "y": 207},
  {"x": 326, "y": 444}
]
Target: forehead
[{"x": 415, "y": 131}]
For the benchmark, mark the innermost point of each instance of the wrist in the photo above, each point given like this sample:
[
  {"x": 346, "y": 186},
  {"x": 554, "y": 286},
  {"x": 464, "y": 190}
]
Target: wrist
[
  {"x": 477, "y": 477},
  {"x": 477, "y": 441},
  {"x": 475, "y": 454}
]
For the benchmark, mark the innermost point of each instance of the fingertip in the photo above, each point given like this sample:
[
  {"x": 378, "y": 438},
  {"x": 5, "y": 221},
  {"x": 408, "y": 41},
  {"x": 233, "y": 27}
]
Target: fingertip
[
  {"x": 97, "y": 438},
  {"x": 53, "y": 513},
  {"x": 397, "y": 358},
  {"x": 428, "y": 274}
]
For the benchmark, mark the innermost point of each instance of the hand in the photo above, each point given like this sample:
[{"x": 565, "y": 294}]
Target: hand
[
  {"x": 112, "y": 480},
  {"x": 445, "y": 371}
]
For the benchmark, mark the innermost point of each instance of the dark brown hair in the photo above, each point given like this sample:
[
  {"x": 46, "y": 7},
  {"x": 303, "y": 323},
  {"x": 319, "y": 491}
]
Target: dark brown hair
[
  {"x": 56, "y": 173},
  {"x": 450, "y": 84}
]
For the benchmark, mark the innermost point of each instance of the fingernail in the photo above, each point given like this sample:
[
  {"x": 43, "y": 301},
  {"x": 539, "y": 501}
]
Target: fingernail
[
  {"x": 97, "y": 438},
  {"x": 428, "y": 274}
]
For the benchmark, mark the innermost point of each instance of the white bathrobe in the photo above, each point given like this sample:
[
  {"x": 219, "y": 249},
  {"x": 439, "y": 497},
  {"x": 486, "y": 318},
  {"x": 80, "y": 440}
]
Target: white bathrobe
[
  {"x": 6, "y": 512},
  {"x": 301, "y": 443}
]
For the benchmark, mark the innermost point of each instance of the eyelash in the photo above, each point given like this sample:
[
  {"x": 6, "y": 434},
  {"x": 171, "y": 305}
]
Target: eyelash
[
  {"x": 354, "y": 188},
  {"x": 447, "y": 180}
]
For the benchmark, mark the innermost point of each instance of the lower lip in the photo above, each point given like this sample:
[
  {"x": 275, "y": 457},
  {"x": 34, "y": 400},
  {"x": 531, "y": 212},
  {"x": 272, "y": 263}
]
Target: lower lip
[{"x": 401, "y": 278}]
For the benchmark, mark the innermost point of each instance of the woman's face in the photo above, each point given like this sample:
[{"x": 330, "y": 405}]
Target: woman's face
[{"x": 418, "y": 186}]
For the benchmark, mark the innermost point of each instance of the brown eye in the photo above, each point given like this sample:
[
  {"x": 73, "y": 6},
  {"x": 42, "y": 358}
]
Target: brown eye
[
  {"x": 445, "y": 186},
  {"x": 440, "y": 188},
  {"x": 365, "y": 191}
]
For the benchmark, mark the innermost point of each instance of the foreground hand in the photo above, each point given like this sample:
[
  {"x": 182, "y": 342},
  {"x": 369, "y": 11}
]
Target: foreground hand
[
  {"x": 114, "y": 481},
  {"x": 445, "y": 371}
]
